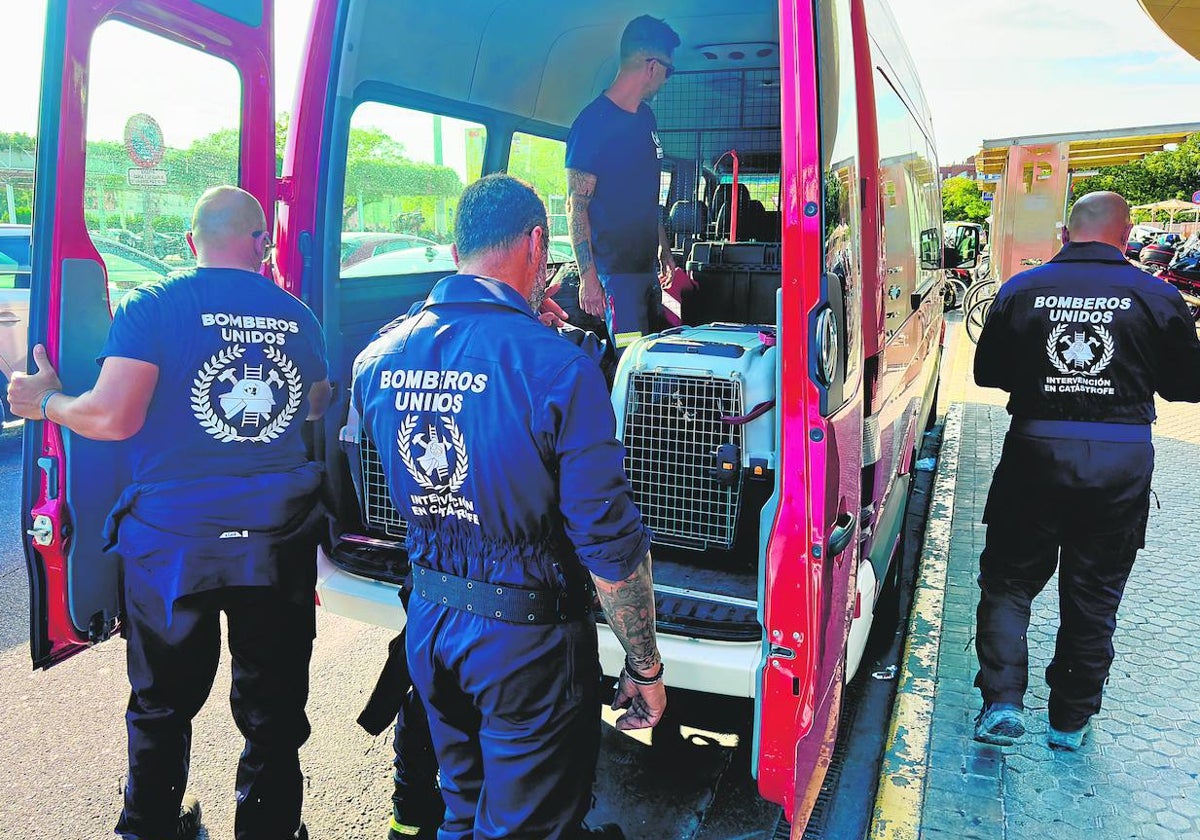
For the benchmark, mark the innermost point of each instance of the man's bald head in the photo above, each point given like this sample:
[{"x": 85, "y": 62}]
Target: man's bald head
[
  {"x": 224, "y": 225},
  {"x": 1100, "y": 217}
]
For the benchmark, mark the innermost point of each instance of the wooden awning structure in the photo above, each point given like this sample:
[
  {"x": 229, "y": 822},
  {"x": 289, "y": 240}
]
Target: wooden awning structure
[
  {"x": 1179, "y": 19},
  {"x": 1090, "y": 149}
]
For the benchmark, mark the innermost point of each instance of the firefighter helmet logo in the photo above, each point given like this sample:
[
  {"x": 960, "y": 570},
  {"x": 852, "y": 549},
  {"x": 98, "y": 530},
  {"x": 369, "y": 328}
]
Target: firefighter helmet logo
[
  {"x": 261, "y": 399},
  {"x": 439, "y": 452},
  {"x": 1086, "y": 351}
]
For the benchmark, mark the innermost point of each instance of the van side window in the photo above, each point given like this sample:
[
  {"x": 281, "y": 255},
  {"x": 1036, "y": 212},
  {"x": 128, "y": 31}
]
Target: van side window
[
  {"x": 910, "y": 199},
  {"x": 405, "y": 170},
  {"x": 155, "y": 142},
  {"x": 541, "y": 161}
]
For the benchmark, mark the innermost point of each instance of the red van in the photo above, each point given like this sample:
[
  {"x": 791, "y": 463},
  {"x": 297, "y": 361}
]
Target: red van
[{"x": 770, "y": 437}]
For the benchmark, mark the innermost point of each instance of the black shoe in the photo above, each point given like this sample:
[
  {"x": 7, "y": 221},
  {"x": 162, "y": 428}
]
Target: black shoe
[
  {"x": 189, "y": 818},
  {"x": 608, "y": 831},
  {"x": 301, "y": 833}
]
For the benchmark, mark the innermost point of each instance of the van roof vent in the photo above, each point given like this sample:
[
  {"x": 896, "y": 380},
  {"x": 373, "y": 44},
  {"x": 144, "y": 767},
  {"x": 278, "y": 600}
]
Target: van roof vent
[{"x": 751, "y": 52}]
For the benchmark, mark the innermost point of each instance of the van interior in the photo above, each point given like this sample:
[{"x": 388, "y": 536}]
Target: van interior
[{"x": 694, "y": 403}]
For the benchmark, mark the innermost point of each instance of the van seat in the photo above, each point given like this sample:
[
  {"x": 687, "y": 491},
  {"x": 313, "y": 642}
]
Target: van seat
[{"x": 737, "y": 283}]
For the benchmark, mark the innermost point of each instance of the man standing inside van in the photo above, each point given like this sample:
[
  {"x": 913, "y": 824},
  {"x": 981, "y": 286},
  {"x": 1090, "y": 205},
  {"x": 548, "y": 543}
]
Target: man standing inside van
[
  {"x": 614, "y": 166},
  {"x": 207, "y": 374},
  {"x": 499, "y": 449}
]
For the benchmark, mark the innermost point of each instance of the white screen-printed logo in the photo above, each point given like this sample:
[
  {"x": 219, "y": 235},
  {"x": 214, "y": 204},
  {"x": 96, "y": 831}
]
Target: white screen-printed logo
[
  {"x": 1080, "y": 349},
  {"x": 435, "y": 455},
  {"x": 240, "y": 402}
]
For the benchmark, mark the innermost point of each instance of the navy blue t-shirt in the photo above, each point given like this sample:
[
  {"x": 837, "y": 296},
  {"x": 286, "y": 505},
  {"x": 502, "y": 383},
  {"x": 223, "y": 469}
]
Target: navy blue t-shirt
[
  {"x": 622, "y": 150},
  {"x": 236, "y": 356}
]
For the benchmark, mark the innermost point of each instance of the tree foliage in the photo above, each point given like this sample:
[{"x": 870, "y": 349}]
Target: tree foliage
[
  {"x": 1157, "y": 177},
  {"x": 962, "y": 201}
]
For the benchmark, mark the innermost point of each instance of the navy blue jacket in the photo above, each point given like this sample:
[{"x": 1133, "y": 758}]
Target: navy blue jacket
[
  {"x": 1089, "y": 337},
  {"x": 498, "y": 442}
]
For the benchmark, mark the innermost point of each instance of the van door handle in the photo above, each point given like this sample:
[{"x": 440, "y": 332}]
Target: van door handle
[{"x": 843, "y": 532}]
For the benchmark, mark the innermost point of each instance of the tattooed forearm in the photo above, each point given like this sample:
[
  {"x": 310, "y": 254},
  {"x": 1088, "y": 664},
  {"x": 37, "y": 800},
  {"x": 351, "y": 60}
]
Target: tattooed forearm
[
  {"x": 581, "y": 186},
  {"x": 629, "y": 607}
]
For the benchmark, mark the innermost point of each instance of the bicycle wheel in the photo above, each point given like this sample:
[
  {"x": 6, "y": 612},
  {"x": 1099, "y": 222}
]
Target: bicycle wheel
[
  {"x": 954, "y": 291},
  {"x": 976, "y": 317},
  {"x": 981, "y": 289}
]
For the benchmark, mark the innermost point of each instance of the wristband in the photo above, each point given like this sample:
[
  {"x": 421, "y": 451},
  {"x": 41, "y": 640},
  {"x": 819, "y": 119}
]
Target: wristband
[
  {"x": 46, "y": 400},
  {"x": 637, "y": 679}
]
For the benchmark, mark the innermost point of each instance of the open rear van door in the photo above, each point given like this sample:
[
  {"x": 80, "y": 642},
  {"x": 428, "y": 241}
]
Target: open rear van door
[{"x": 144, "y": 105}]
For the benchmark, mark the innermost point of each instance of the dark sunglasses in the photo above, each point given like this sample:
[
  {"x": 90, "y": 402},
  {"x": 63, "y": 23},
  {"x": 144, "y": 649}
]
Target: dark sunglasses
[
  {"x": 268, "y": 245},
  {"x": 667, "y": 67}
]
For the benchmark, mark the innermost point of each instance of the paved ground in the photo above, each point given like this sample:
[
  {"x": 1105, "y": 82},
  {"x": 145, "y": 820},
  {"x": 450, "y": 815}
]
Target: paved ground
[{"x": 1139, "y": 774}]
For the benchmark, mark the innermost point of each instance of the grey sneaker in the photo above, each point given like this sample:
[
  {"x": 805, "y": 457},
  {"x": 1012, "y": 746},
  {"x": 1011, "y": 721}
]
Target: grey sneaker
[
  {"x": 1000, "y": 724},
  {"x": 1072, "y": 740},
  {"x": 189, "y": 818}
]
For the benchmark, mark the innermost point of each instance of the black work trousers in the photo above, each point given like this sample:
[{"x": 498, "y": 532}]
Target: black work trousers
[
  {"x": 172, "y": 662},
  {"x": 1077, "y": 505}
]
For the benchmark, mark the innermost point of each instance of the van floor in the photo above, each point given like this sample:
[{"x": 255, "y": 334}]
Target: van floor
[{"x": 732, "y": 574}]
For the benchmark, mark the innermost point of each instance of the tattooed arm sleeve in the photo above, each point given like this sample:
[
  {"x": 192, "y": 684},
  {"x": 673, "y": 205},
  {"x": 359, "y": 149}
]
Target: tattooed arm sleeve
[
  {"x": 581, "y": 186},
  {"x": 629, "y": 607}
]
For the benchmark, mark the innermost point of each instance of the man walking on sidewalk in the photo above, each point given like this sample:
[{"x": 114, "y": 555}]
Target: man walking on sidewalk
[{"x": 1081, "y": 345}]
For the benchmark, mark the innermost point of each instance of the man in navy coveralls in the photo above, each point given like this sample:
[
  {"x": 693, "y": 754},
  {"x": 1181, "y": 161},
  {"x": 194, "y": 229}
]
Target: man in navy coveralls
[
  {"x": 1081, "y": 344},
  {"x": 210, "y": 374},
  {"x": 497, "y": 440},
  {"x": 614, "y": 165}
]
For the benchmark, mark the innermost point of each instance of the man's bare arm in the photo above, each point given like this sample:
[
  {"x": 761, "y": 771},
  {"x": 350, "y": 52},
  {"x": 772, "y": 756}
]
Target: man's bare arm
[
  {"x": 320, "y": 395},
  {"x": 114, "y": 409},
  {"x": 581, "y": 186},
  {"x": 665, "y": 258},
  {"x": 629, "y": 607}
]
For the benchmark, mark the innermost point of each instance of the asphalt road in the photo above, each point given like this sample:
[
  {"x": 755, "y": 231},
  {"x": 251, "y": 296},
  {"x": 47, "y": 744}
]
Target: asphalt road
[{"x": 62, "y": 739}]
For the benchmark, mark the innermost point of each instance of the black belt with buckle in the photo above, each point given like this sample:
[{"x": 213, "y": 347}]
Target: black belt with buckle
[{"x": 502, "y": 602}]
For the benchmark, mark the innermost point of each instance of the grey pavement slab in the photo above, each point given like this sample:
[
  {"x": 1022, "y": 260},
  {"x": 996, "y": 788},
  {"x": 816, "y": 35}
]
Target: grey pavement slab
[{"x": 1139, "y": 774}]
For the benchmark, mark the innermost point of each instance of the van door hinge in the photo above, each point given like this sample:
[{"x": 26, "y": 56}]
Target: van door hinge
[
  {"x": 42, "y": 530},
  {"x": 285, "y": 189},
  {"x": 101, "y": 627}
]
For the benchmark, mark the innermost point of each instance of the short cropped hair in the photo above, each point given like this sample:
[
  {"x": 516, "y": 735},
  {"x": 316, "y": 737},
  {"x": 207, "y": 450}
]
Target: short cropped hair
[
  {"x": 647, "y": 34},
  {"x": 495, "y": 211}
]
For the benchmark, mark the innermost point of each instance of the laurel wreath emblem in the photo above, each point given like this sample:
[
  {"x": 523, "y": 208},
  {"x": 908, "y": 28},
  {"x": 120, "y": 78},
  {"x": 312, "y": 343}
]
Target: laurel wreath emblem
[
  {"x": 202, "y": 407},
  {"x": 457, "y": 478},
  {"x": 1106, "y": 357}
]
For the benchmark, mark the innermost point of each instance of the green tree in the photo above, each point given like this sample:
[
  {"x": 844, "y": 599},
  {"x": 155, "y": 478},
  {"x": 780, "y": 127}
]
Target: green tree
[
  {"x": 962, "y": 201},
  {"x": 1158, "y": 177}
]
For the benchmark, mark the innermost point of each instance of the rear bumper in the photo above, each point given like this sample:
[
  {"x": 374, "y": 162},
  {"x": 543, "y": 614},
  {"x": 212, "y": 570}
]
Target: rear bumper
[{"x": 724, "y": 668}]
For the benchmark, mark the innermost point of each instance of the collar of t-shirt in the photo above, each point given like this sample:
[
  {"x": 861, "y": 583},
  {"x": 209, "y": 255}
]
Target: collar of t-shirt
[
  {"x": 1089, "y": 252},
  {"x": 468, "y": 288}
]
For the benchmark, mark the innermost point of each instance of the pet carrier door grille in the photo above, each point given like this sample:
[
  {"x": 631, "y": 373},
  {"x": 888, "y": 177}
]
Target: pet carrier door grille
[
  {"x": 380, "y": 512},
  {"x": 673, "y": 427}
]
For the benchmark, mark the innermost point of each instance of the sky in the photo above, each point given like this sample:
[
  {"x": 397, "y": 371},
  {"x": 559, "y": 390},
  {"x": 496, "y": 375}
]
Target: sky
[{"x": 991, "y": 69}]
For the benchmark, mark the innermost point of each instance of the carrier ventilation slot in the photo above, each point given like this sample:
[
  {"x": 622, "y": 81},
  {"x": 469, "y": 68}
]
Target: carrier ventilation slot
[
  {"x": 673, "y": 428},
  {"x": 380, "y": 513}
]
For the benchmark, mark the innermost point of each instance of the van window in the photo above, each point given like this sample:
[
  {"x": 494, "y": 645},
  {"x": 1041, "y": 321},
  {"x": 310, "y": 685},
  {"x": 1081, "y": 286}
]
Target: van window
[
  {"x": 155, "y": 142},
  {"x": 541, "y": 161},
  {"x": 14, "y": 259},
  {"x": 405, "y": 171}
]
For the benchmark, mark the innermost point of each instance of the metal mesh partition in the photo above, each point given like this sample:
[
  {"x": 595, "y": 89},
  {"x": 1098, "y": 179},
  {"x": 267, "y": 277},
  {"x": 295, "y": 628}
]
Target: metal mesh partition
[
  {"x": 673, "y": 427},
  {"x": 702, "y": 115},
  {"x": 380, "y": 512}
]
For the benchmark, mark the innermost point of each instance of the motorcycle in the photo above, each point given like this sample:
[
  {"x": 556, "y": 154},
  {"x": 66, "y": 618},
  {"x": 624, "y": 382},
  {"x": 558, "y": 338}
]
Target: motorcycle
[{"x": 1183, "y": 272}]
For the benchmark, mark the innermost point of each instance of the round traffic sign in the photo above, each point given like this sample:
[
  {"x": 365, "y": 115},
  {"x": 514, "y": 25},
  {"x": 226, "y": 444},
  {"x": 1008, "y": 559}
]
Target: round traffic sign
[
  {"x": 144, "y": 140},
  {"x": 1196, "y": 197}
]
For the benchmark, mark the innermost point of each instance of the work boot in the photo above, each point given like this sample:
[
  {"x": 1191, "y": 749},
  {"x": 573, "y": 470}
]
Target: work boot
[
  {"x": 189, "y": 818},
  {"x": 1000, "y": 724},
  {"x": 398, "y": 830},
  {"x": 1068, "y": 739}
]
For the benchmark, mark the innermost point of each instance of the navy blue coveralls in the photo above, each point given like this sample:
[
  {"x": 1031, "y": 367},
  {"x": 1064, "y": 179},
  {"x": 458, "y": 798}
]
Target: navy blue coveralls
[
  {"x": 497, "y": 439},
  {"x": 222, "y": 515},
  {"x": 1081, "y": 344}
]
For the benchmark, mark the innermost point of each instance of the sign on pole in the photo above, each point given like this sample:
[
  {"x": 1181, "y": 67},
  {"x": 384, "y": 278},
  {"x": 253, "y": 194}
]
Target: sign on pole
[
  {"x": 147, "y": 177},
  {"x": 144, "y": 141},
  {"x": 1196, "y": 197}
]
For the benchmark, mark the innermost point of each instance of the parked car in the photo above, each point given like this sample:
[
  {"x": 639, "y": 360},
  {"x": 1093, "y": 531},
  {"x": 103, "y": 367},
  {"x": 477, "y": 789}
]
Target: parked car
[
  {"x": 412, "y": 260},
  {"x": 127, "y": 268},
  {"x": 357, "y": 247}
]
